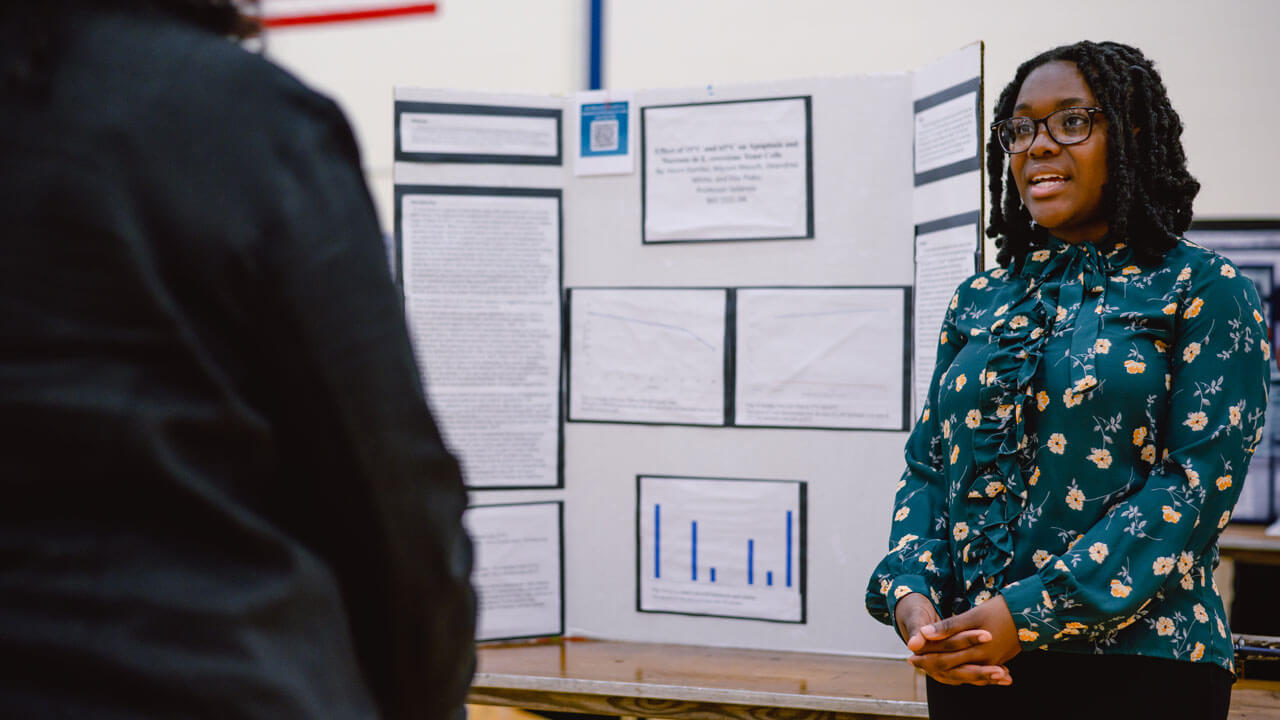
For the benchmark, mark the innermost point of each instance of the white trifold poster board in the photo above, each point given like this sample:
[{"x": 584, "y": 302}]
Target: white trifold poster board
[{"x": 675, "y": 337}]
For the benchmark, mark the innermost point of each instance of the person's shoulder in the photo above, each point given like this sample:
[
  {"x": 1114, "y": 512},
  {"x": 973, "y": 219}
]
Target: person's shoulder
[
  {"x": 194, "y": 125},
  {"x": 1200, "y": 265},
  {"x": 178, "y": 71},
  {"x": 1211, "y": 283},
  {"x": 1187, "y": 252},
  {"x": 983, "y": 282},
  {"x": 248, "y": 79}
]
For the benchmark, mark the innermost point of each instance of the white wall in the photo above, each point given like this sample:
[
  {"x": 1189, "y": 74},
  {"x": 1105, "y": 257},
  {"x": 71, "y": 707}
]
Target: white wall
[{"x": 1219, "y": 59}]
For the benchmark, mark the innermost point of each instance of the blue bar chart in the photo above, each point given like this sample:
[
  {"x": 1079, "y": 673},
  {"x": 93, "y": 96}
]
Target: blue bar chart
[{"x": 722, "y": 547}]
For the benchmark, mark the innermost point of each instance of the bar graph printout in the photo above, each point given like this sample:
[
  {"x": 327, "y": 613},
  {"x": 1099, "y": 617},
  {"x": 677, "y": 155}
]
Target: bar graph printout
[
  {"x": 647, "y": 355},
  {"x": 721, "y": 547}
]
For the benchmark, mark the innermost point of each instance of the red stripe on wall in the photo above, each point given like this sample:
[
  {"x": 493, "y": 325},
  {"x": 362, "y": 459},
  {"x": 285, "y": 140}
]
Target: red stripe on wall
[{"x": 372, "y": 14}]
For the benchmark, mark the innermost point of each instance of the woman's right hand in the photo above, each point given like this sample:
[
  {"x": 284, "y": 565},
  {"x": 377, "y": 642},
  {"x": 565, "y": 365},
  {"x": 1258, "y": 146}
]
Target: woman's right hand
[{"x": 915, "y": 611}]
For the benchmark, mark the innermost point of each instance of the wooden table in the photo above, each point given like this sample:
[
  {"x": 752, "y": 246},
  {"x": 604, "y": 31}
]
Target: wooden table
[{"x": 699, "y": 683}]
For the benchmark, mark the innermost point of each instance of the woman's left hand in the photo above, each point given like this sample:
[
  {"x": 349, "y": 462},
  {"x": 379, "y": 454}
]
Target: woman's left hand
[{"x": 934, "y": 656}]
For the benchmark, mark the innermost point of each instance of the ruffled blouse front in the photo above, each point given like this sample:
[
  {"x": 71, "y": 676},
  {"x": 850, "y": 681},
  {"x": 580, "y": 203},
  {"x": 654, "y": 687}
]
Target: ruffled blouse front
[{"x": 1060, "y": 454}]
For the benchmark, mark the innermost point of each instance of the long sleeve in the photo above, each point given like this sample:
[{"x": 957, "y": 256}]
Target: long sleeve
[
  {"x": 1160, "y": 539},
  {"x": 919, "y": 557}
]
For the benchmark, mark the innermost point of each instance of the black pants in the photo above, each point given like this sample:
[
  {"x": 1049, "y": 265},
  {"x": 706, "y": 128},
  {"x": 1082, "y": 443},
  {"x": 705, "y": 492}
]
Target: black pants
[{"x": 1094, "y": 687}]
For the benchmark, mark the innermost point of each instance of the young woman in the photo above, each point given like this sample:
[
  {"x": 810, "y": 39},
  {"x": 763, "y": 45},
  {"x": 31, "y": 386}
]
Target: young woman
[{"x": 1092, "y": 414}]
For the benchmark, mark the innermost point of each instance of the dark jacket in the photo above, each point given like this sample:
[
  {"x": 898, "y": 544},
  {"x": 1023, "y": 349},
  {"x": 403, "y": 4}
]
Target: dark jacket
[{"x": 221, "y": 492}]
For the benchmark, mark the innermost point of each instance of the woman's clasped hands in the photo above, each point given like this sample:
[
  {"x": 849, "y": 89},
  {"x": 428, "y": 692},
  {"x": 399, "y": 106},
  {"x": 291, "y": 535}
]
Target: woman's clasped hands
[{"x": 969, "y": 648}]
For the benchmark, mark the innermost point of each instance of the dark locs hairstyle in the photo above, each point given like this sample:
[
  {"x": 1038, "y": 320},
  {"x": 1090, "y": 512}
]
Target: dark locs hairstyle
[
  {"x": 1148, "y": 194},
  {"x": 30, "y": 31}
]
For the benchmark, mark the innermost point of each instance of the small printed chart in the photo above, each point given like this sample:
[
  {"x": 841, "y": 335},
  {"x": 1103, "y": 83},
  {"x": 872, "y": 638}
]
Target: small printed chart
[
  {"x": 822, "y": 357},
  {"x": 647, "y": 355},
  {"x": 721, "y": 547}
]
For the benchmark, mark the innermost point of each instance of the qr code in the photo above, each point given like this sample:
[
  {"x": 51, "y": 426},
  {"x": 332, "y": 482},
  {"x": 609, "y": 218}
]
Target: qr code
[{"x": 604, "y": 135}]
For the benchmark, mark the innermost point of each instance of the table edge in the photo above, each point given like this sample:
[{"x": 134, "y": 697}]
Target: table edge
[{"x": 688, "y": 693}]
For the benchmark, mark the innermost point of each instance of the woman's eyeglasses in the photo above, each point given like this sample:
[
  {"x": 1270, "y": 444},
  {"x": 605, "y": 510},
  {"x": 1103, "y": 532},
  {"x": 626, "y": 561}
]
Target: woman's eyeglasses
[{"x": 1067, "y": 126}]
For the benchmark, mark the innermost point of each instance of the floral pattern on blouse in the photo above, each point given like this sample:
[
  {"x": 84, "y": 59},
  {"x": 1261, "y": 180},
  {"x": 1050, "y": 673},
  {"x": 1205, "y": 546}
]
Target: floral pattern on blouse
[{"x": 1088, "y": 427}]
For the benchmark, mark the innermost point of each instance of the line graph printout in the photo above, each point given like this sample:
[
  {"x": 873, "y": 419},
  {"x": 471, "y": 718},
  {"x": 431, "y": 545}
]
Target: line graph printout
[
  {"x": 729, "y": 548},
  {"x": 821, "y": 357},
  {"x": 647, "y": 355}
]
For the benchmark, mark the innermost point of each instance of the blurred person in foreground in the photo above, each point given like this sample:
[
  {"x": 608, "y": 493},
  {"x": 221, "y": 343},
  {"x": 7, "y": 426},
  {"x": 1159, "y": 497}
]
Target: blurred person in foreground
[{"x": 223, "y": 493}]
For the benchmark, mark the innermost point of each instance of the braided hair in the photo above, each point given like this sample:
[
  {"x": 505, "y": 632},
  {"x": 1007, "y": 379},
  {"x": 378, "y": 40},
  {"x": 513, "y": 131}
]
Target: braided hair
[{"x": 1148, "y": 195}]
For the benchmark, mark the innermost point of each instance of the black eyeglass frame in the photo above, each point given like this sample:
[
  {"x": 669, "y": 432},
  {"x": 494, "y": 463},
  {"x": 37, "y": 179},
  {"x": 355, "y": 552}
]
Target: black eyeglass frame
[{"x": 1037, "y": 122}]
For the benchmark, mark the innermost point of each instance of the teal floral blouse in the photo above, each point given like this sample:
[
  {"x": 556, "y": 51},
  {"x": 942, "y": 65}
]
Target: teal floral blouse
[{"x": 1088, "y": 427}]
